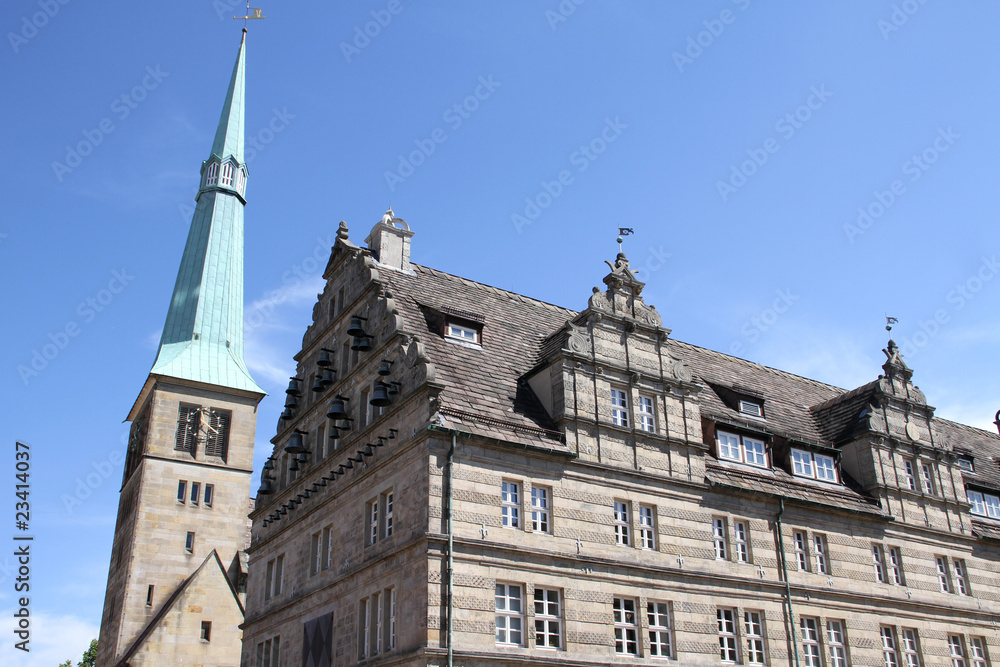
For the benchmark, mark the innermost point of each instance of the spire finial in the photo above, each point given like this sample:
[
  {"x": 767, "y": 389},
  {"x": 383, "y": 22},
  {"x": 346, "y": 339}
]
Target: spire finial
[
  {"x": 255, "y": 15},
  {"x": 622, "y": 232},
  {"x": 889, "y": 321}
]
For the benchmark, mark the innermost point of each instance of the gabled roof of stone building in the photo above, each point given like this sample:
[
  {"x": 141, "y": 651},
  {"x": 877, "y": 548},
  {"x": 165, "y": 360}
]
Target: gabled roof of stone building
[{"x": 485, "y": 388}]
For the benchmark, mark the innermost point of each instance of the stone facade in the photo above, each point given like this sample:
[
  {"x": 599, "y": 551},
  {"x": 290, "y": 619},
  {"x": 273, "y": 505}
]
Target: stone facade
[{"x": 604, "y": 479}]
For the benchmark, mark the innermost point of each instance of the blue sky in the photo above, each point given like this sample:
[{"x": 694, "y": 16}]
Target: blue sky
[{"x": 794, "y": 172}]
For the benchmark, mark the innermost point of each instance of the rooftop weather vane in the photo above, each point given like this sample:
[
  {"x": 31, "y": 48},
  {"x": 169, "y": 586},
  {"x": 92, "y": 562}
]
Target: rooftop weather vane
[
  {"x": 622, "y": 232},
  {"x": 254, "y": 15},
  {"x": 889, "y": 321}
]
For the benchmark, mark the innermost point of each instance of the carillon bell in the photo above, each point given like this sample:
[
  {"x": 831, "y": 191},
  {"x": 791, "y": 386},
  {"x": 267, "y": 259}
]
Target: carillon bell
[
  {"x": 380, "y": 397},
  {"x": 295, "y": 443},
  {"x": 385, "y": 367},
  {"x": 287, "y": 414},
  {"x": 337, "y": 410},
  {"x": 324, "y": 358},
  {"x": 327, "y": 378},
  {"x": 362, "y": 344},
  {"x": 318, "y": 384},
  {"x": 393, "y": 388},
  {"x": 294, "y": 465},
  {"x": 291, "y": 402},
  {"x": 265, "y": 487},
  {"x": 293, "y": 387},
  {"x": 355, "y": 329}
]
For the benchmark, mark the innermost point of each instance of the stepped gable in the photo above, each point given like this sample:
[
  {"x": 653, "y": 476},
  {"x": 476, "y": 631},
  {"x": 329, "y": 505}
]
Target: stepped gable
[{"x": 481, "y": 382}]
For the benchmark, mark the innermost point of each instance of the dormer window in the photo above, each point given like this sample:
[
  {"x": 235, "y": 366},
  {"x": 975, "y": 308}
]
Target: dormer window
[
  {"x": 741, "y": 448},
  {"x": 461, "y": 332},
  {"x": 966, "y": 465},
  {"x": 227, "y": 174},
  {"x": 213, "y": 172},
  {"x": 984, "y": 504},
  {"x": 751, "y": 408},
  {"x": 814, "y": 465}
]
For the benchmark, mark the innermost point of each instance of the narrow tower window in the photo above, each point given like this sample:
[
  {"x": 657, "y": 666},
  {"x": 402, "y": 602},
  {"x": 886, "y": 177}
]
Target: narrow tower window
[
  {"x": 213, "y": 172},
  {"x": 187, "y": 428}
]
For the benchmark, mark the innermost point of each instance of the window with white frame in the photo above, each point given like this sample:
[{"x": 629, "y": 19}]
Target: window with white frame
[
  {"x": 801, "y": 550},
  {"x": 510, "y": 504},
  {"x": 540, "y": 499},
  {"x": 509, "y": 615},
  {"x": 909, "y": 474},
  {"x": 961, "y": 576},
  {"x": 743, "y": 449},
  {"x": 227, "y": 174},
  {"x": 956, "y": 650},
  {"x": 895, "y": 566},
  {"x": 548, "y": 618},
  {"x": 389, "y": 599},
  {"x": 720, "y": 538},
  {"x": 753, "y": 622},
  {"x": 820, "y": 553},
  {"x": 965, "y": 465},
  {"x": 213, "y": 173},
  {"x": 814, "y": 465},
  {"x": 622, "y": 523},
  {"x": 378, "y": 513},
  {"x": 836, "y": 644},
  {"x": 315, "y": 551},
  {"x": 195, "y": 493},
  {"x": 751, "y": 408},
  {"x": 911, "y": 648},
  {"x": 274, "y": 576},
  {"x": 890, "y": 654},
  {"x": 626, "y": 627},
  {"x": 461, "y": 332},
  {"x": 977, "y": 652},
  {"x": 619, "y": 407},
  {"x": 209, "y": 494},
  {"x": 944, "y": 581},
  {"x": 189, "y": 542},
  {"x": 658, "y": 618},
  {"x": 741, "y": 541},
  {"x": 373, "y": 628},
  {"x": 646, "y": 414},
  {"x": 181, "y": 491},
  {"x": 878, "y": 560},
  {"x": 927, "y": 478},
  {"x": 647, "y": 527},
  {"x": 809, "y": 632},
  {"x": 268, "y": 652},
  {"x": 387, "y": 499},
  {"x": 984, "y": 504},
  {"x": 726, "y": 621}
]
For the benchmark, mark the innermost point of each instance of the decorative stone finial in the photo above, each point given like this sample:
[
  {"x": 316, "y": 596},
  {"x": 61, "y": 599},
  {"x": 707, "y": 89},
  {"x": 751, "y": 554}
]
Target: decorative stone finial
[{"x": 342, "y": 231}]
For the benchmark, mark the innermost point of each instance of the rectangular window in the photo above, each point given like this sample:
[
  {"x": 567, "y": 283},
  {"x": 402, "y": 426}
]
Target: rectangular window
[
  {"x": 626, "y": 627},
  {"x": 895, "y": 566},
  {"x": 889, "y": 653},
  {"x": 961, "y": 578},
  {"x": 802, "y": 463},
  {"x": 273, "y": 577},
  {"x": 741, "y": 541},
  {"x": 956, "y": 651},
  {"x": 188, "y": 419},
  {"x": 754, "y": 450},
  {"x": 510, "y": 500},
  {"x": 719, "y": 538},
  {"x": 619, "y": 408},
  {"x": 647, "y": 527},
  {"x": 622, "y": 523},
  {"x": 509, "y": 614},
  {"x": 387, "y": 514},
  {"x": 909, "y": 475},
  {"x": 468, "y": 334},
  {"x": 942, "y": 570},
  {"x": 658, "y": 616},
  {"x": 744, "y": 449},
  {"x": 315, "y": 551},
  {"x": 978, "y": 502},
  {"x": 965, "y": 465},
  {"x": 217, "y": 433},
  {"x": 801, "y": 551},
  {"x": 364, "y": 410},
  {"x": 547, "y": 618},
  {"x": 181, "y": 491},
  {"x": 206, "y": 631},
  {"x": 375, "y": 645},
  {"x": 149, "y": 596},
  {"x": 927, "y": 478},
  {"x": 809, "y": 631},
  {"x": 754, "y": 624},
  {"x": 364, "y": 628},
  {"x": 911, "y": 648},
  {"x": 647, "y": 414},
  {"x": 321, "y": 449},
  {"x": 345, "y": 358},
  {"x": 189, "y": 543},
  {"x": 836, "y": 644},
  {"x": 326, "y": 548},
  {"x": 195, "y": 493},
  {"x": 878, "y": 560},
  {"x": 389, "y": 599},
  {"x": 992, "y": 506},
  {"x": 729, "y": 446},
  {"x": 209, "y": 494},
  {"x": 751, "y": 408},
  {"x": 977, "y": 652},
  {"x": 726, "y": 619},
  {"x": 268, "y": 579},
  {"x": 373, "y": 523},
  {"x": 819, "y": 553},
  {"x": 540, "y": 509},
  {"x": 813, "y": 465}
]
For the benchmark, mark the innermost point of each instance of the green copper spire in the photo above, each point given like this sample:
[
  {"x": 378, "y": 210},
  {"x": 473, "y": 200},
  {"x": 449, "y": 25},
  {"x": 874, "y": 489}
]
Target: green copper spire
[{"x": 203, "y": 336}]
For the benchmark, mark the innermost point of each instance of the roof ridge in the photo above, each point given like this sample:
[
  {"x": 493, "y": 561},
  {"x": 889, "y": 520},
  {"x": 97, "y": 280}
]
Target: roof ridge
[
  {"x": 980, "y": 431},
  {"x": 499, "y": 290}
]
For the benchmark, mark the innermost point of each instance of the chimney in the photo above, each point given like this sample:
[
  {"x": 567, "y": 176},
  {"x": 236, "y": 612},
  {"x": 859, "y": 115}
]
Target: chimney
[{"x": 389, "y": 242}]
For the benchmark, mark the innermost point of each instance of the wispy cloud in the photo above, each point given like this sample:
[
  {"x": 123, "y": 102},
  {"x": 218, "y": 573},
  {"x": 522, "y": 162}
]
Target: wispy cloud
[{"x": 54, "y": 639}]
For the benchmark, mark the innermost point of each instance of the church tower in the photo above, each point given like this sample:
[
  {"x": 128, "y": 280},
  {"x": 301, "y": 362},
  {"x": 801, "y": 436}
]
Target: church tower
[{"x": 176, "y": 582}]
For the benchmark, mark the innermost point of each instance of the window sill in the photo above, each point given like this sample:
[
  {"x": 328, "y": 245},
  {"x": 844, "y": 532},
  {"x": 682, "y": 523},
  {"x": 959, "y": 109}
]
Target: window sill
[{"x": 463, "y": 343}]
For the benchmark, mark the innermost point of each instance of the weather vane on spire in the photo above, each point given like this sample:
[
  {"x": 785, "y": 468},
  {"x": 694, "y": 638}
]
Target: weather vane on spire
[
  {"x": 889, "y": 321},
  {"x": 254, "y": 15},
  {"x": 622, "y": 232}
]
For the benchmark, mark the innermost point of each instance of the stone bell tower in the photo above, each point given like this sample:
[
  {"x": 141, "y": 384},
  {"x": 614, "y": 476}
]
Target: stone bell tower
[{"x": 176, "y": 580}]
